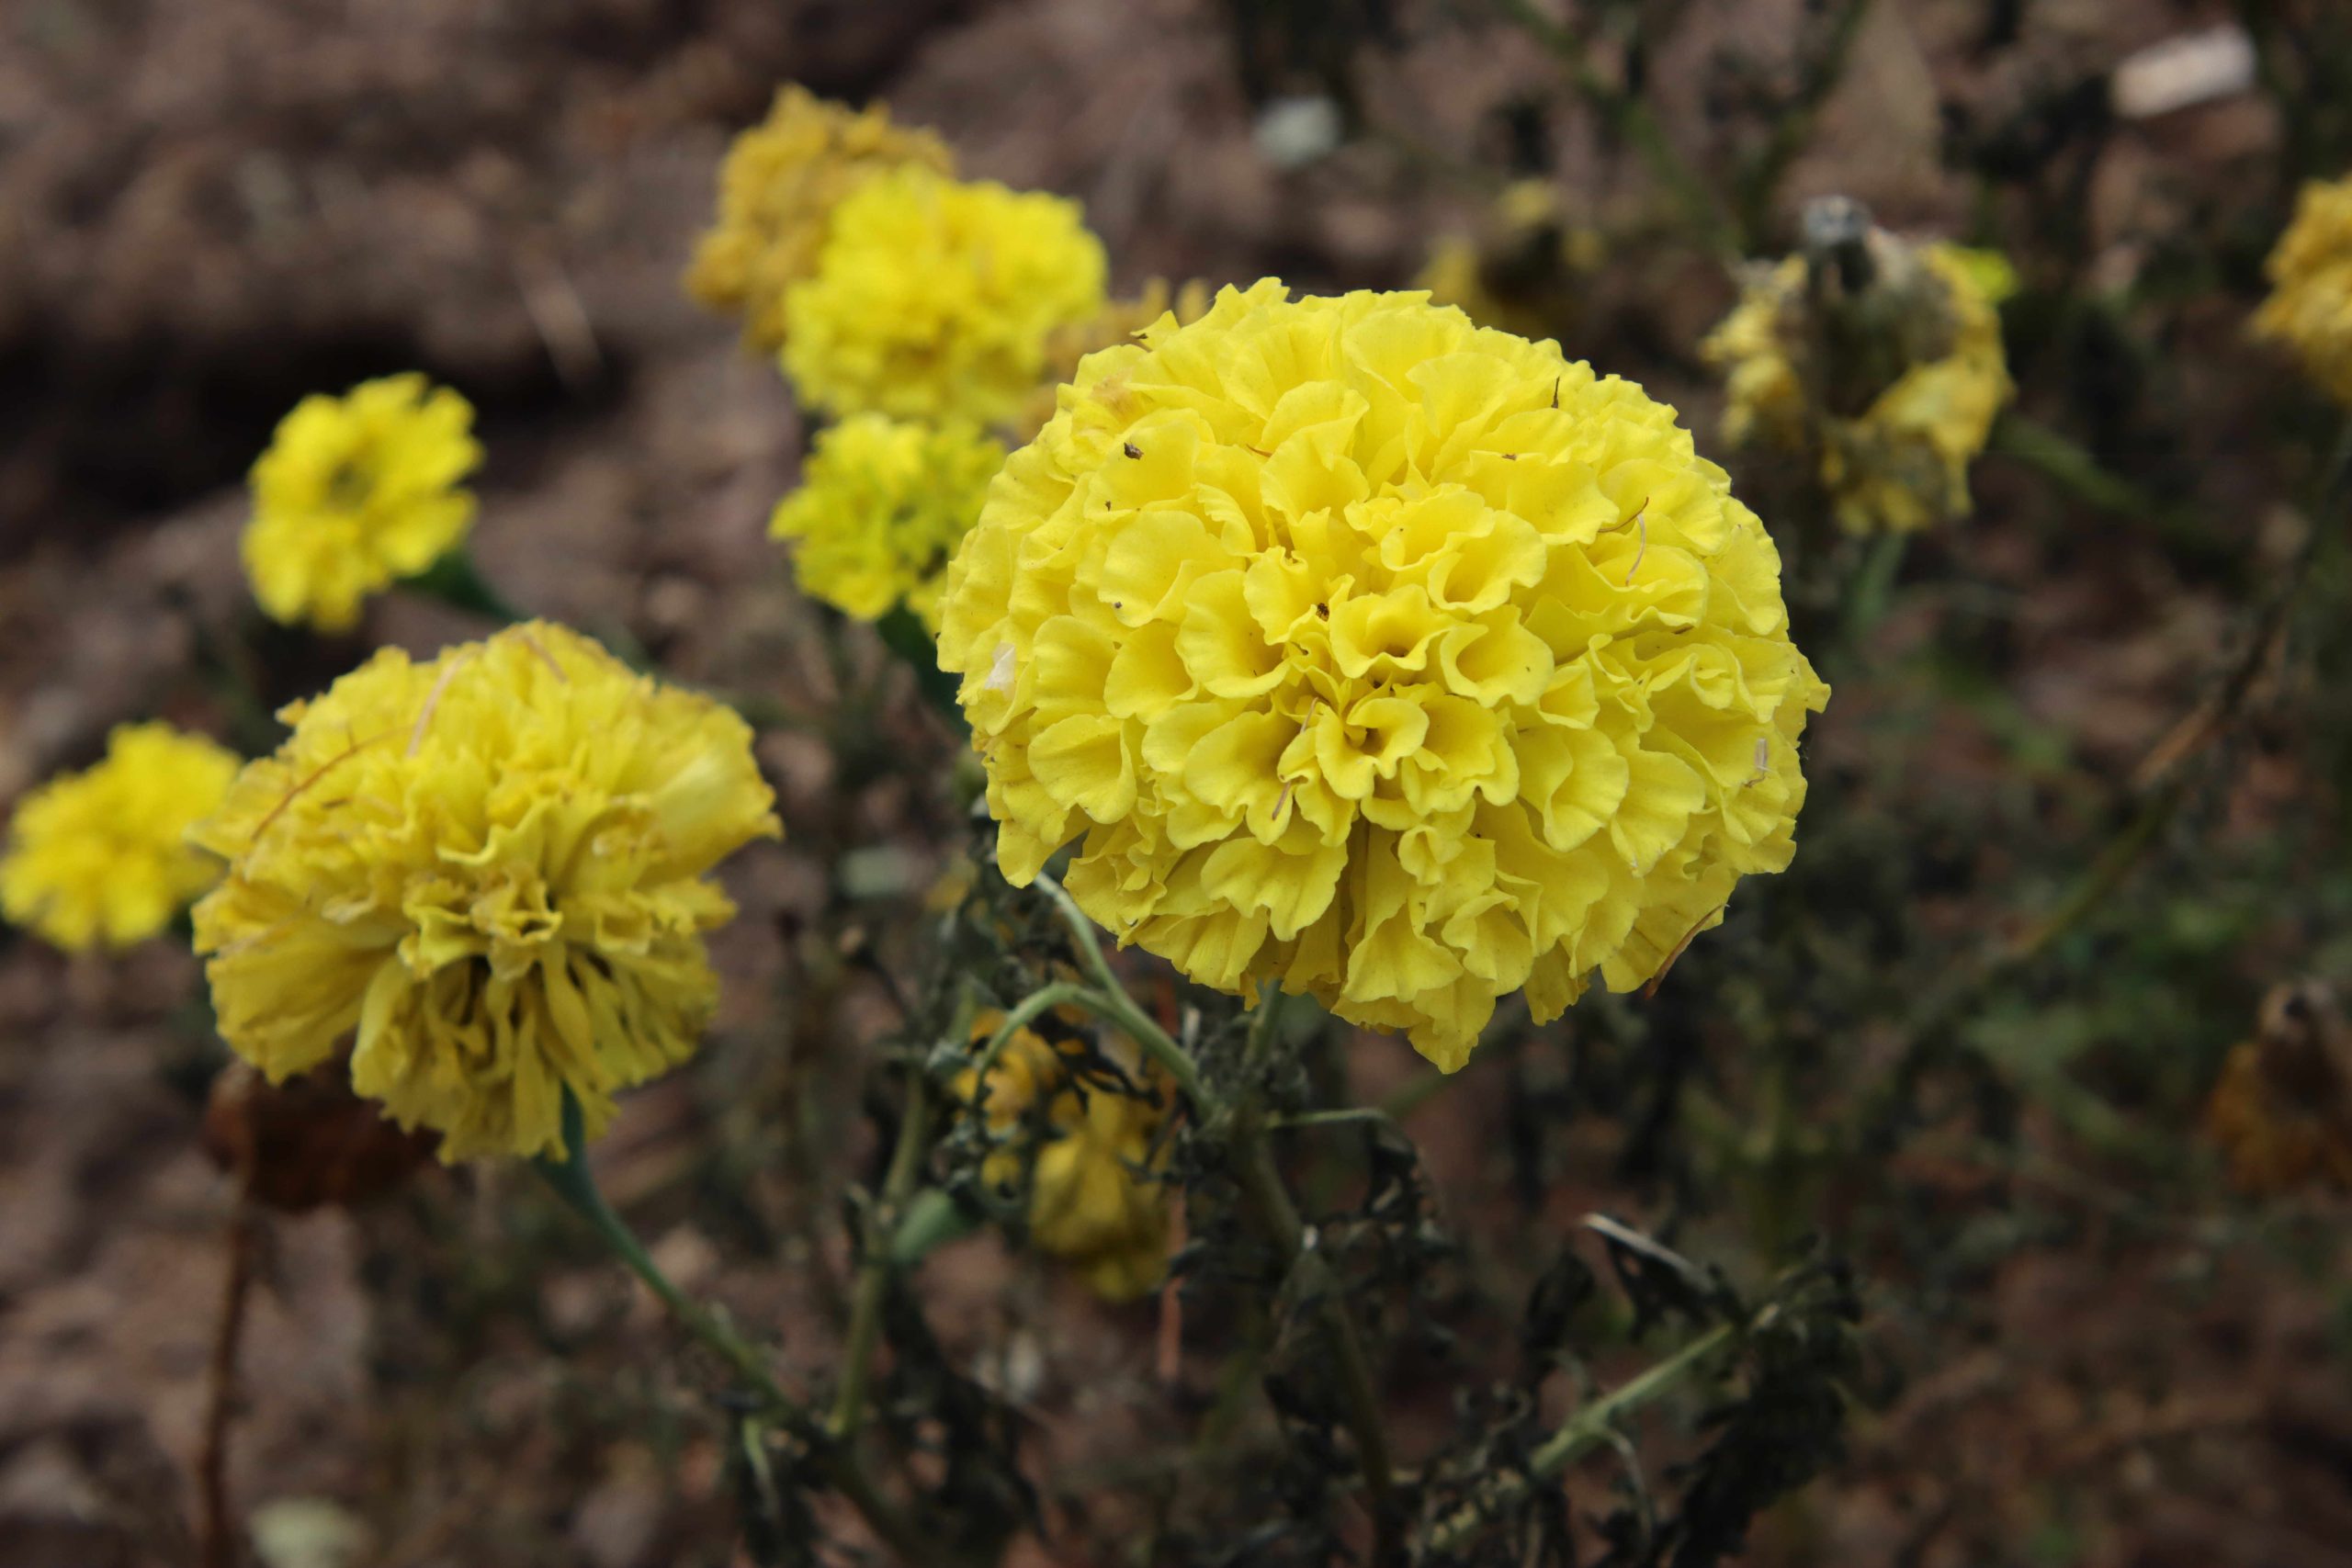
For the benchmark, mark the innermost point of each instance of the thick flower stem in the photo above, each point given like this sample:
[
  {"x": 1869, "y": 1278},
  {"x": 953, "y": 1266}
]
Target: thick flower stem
[
  {"x": 576, "y": 1185},
  {"x": 876, "y": 1259},
  {"x": 1588, "y": 1428},
  {"x": 458, "y": 583}
]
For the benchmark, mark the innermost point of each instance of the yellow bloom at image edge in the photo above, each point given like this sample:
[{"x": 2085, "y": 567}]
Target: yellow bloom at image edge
[
  {"x": 355, "y": 494},
  {"x": 488, "y": 872},
  {"x": 2310, "y": 307},
  {"x": 882, "y": 505},
  {"x": 100, "y": 857},
  {"x": 1403, "y": 662},
  {"x": 1096, "y": 1199}
]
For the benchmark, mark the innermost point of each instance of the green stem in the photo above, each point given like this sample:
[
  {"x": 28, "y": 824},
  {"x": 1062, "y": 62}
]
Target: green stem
[
  {"x": 574, "y": 1183},
  {"x": 1112, "y": 1000},
  {"x": 1793, "y": 128},
  {"x": 458, "y": 583},
  {"x": 1591, "y": 1426},
  {"x": 1630, "y": 119},
  {"x": 877, "y": 1259},
  {"x": 905, "y": 635},
  {"x": 1872, "y": 587}
]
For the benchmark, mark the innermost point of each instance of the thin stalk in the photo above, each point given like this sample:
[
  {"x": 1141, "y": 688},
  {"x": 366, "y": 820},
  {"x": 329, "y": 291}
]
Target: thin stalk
[
  {"x": 877, "y": 1261},
  {"x": 1630, "y": 119},
  {"x": 576, "y": 1185},
  {"x": 1592, "y": 1425},
  {"x": 1121, "y": 1008},
  {"x": 219, "y": 1529}
]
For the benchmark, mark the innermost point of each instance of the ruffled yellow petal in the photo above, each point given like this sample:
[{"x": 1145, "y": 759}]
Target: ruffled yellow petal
[{"x": 486, "y": 873}]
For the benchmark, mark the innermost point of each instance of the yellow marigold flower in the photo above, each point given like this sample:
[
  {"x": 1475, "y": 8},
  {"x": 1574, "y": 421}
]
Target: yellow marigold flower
[
  {"x": 1096, "y": 1197},
  {"x": 354, "y": 492},
  {"x": 776, "y": 194},
  {"x": 1894, "y": 459},
  {"x": 2310, "y": 308},
  {"x": 934, "y": 298},
  {"x": 102, "y": 855},
  {"x": 488, "y": 870},
  {"x": 1118, "y": 321},
  {"x": 1402, "y": 661},
  {"x": 882, "y": 505}
]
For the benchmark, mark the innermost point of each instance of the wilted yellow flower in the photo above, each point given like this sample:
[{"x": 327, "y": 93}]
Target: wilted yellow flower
[
  {"x": 1096, "y": 1197},
  {"x": 2281, "y": 1110},
  {"x": 102, "y": 855},
  {"x": 934, "y": 298},
  {"x": 1525, "y": 272},
  {"x": 1118, "y": 321},
  {"x": 881, "y": 506},
  {"x": 1895, "y": 440},
  {"x": 1401, "y": 661},
  {"x": 354, "y": 492},
  {"x": 2310, "y": 308},
  {"x": 776, "y": 194},
  {"x": 488, "y": 870}
]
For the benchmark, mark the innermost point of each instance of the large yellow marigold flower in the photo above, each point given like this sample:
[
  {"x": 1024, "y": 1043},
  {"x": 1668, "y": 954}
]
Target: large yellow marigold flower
[
  {"x": 2310, "y": 308},
  {"x": 934, "y": 299},
  {"x": 102, "y": 855},
  {"x": 488, "y": 870},
  {"x": 1402, "y": 661},
  {"x": 881, "y": 506},
  {"x": 354, "y": 492},
  {"x": 776, "y": 194},
  {"x": 1097, "y": 1199},
  {"x": 1898, "y": 459}
]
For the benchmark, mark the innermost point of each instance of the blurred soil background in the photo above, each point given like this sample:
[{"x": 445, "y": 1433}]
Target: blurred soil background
[{"x": 2085, "y": 1352}]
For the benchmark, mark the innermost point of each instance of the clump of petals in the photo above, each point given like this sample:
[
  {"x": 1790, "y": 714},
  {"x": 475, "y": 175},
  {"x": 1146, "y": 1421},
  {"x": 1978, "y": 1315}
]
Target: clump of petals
[
  {"x": 101, "y": 857},
  {"x": 488, "y": 872},
  {"x": 1091, "y": 1150},
  {"x": 881, "y": 507},
  {"x": 777, "y": 191},
  {"x": 355, "y": 492},
  {"x": 2310, "y": 307},
  {"x": 934, "y": 299},
  {"x": 1403, "y": 662}
]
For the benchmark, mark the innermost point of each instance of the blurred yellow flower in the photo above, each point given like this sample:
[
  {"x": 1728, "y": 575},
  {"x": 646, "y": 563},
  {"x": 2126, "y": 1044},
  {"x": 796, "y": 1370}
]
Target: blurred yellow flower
[
  {"x": 2281, "y": 1110},
  {"x": 934, "y": 299},
  {"x": 776, "y": 194},
  {"x": 102, "y": 856},
  {"x": 2310, "y": 308},
  {"x": 1894, "y": 459},
  {"x": 882, "y": 505},
  {"x": 1526, "y": 269},
  {"x": 1097, "y": 1199},
  {"x": 1404, "y": 662},
  {"x": 354, "y": 492},
  {"x": 490, "y": 868}
]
